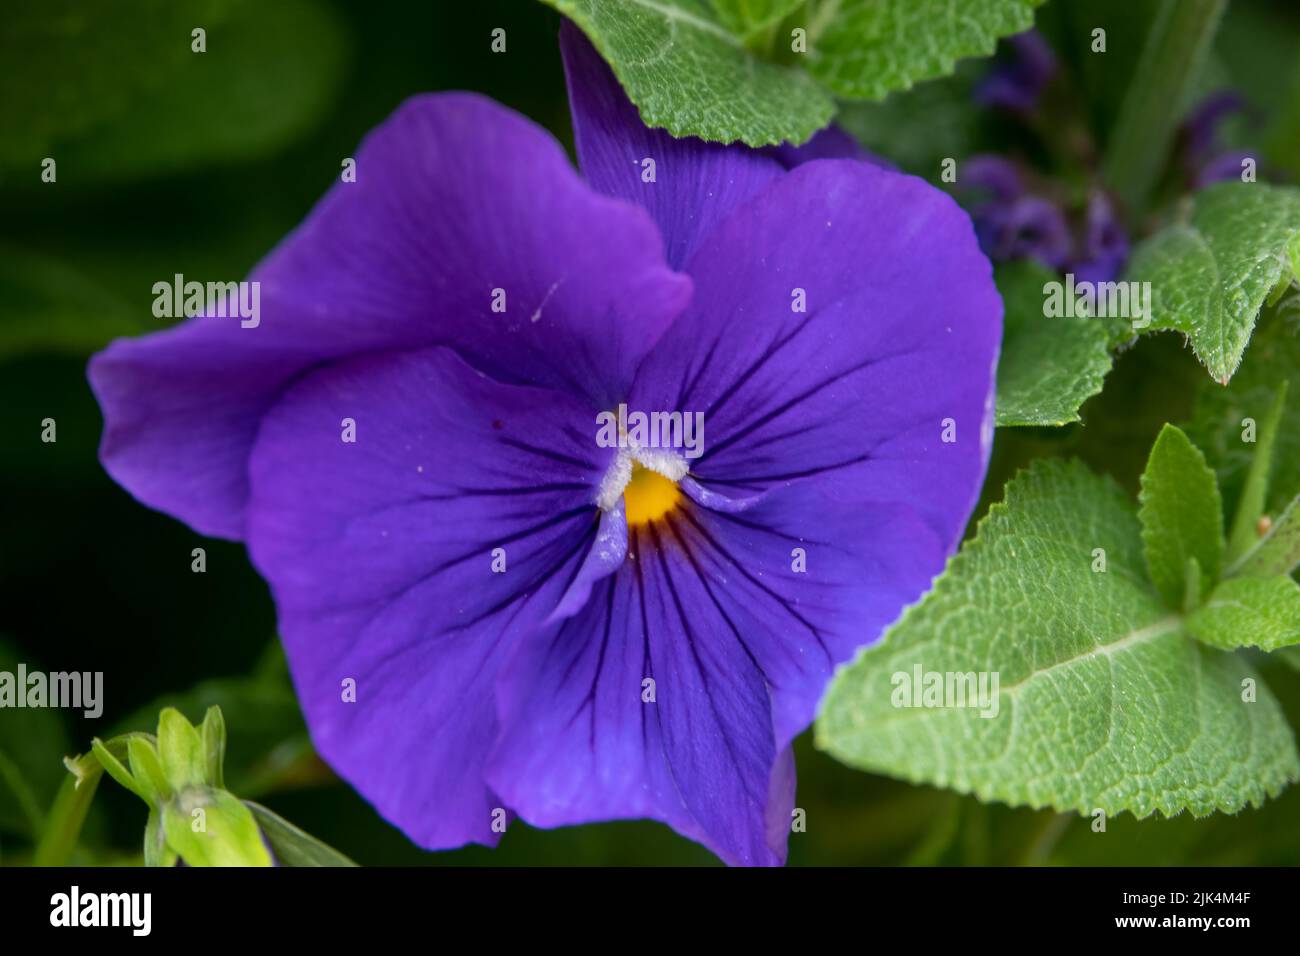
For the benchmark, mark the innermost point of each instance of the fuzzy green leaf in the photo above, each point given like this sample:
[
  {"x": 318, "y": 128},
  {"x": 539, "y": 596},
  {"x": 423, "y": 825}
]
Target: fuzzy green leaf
[
  {"x": 1211, "y": 274},
  {"x": 1182, "y": 517},
  {"x": 1103, "y": 700},
  {"x": 749, "y": 17},
  {"x": 864, "y": 49},
  {"x": 767, "y": 71},
  {"x": 1225, "y": 418},
  {"x": 1049, "y": 366},
  {"x": 691, "y": 75},
  {"x": 1250, "y": 612}
]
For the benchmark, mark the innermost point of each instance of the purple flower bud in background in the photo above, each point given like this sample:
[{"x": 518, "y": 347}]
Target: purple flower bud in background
[
  {"x": 1205, "y": 159},
  {"x": 1018, "y": 80},
  {"x": 1105, "y": 243},
  {"x": 1012, "y": 224},
  {"x": 996, "y": 175},
  {"x": 1200, "y": 130},
  {"x": 1222, "y": 168}
]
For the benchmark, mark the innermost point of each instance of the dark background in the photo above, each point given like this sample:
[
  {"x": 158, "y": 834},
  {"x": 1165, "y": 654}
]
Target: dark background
[{"x": 172, "y": 162}]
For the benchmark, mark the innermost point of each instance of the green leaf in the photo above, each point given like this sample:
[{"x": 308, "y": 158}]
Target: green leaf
[
  {"x": 1254, "y": 495},
  {"x": 1278, "y": 552},
  {"x": 1182, "y": 517},
  {"x": 729, "y": 70},
  {"x": 1250, "y": 612},
  {"x": 292, "y": 846},
  {"x": 747, "y": 18},
  {"x": 1049, "y": 366},
  {"x": 1211, "y": 274},
  {"x": 1103, "y": 700},
  {"x": 181, "y": 749},
  {"x": 63, "y": 825},
  {"x": 689, "y": 74},
  {"x": 1218, "y": 425},
  {"x": 864, "y": 49},
  {"x": 157, "y": 106},
  {"x": 213, "y": 732},
  {"x": 115, "y": 769},
  {"x": 210, "y": 827},
  {"x": 147, "y": 770}
]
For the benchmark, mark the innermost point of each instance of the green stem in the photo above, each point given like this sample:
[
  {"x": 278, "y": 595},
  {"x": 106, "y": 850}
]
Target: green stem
[
  {"x": 63, "y": 825},
  {"x": 1179, "y": 39},
  {"x": 68, "y": 814},
  {"x": 1244, "y": 534}
]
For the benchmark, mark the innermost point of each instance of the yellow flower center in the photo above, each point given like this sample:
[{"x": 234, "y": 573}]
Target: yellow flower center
[{"x": 648, "y": 495}]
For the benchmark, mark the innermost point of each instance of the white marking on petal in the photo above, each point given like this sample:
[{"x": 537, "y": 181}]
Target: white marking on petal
[
  {"x": 663, "y": 460},
  {"x": 537, "y": 313},
  {"x": 615, "y": 480}
]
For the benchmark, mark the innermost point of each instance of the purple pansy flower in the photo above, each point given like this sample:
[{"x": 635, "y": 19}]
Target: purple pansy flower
[{"x": 824, "y": 501}]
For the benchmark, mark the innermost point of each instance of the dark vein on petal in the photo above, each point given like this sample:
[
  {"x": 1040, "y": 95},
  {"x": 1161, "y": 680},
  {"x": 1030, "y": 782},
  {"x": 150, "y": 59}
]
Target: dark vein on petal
[
  {"x": 786, "y": 406},
  {"x": 753, "y": 480},
  {"x": 756, "y": 526},
  {"x": 518, "y": 536},
  {"x": 700, "y": 669},
  {"x": 506, "y": 492},
  {"x": 548, "y": 454},
  {"x": 768, "y": 354},
  {"x": 685, "y": 390},
  {"x": 400, "y": 592},
  {"x": 704, "y": 580},
  {"x": 646, "y": 660},
  {"x": 590, "y": 699},
  {"x": 535, "y": 582},
  {"x": 790, "y": 609}
]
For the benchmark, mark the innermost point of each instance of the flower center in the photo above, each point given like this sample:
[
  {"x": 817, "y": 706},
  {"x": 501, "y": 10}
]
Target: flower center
[{"x": 648, "y": 495}]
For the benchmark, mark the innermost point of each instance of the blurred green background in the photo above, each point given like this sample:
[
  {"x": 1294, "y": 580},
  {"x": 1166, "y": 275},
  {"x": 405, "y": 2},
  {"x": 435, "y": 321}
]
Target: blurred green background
[{"x": 174, "y": 162}]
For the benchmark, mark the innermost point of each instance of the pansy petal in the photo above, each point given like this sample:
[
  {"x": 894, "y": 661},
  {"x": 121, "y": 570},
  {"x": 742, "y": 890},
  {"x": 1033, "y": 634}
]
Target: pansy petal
[
  {"x": 581, "y": 744},
  {"x": 608, "y": 552},
  {"x": 884, "y": 385},
  {"x": 410, "y": 560},
  {"x": 458, "y": 205},
  {"x": 833, "y": 142},
  {"x": 739, "y": 633},
  {"x": 687, "y": 186}
]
